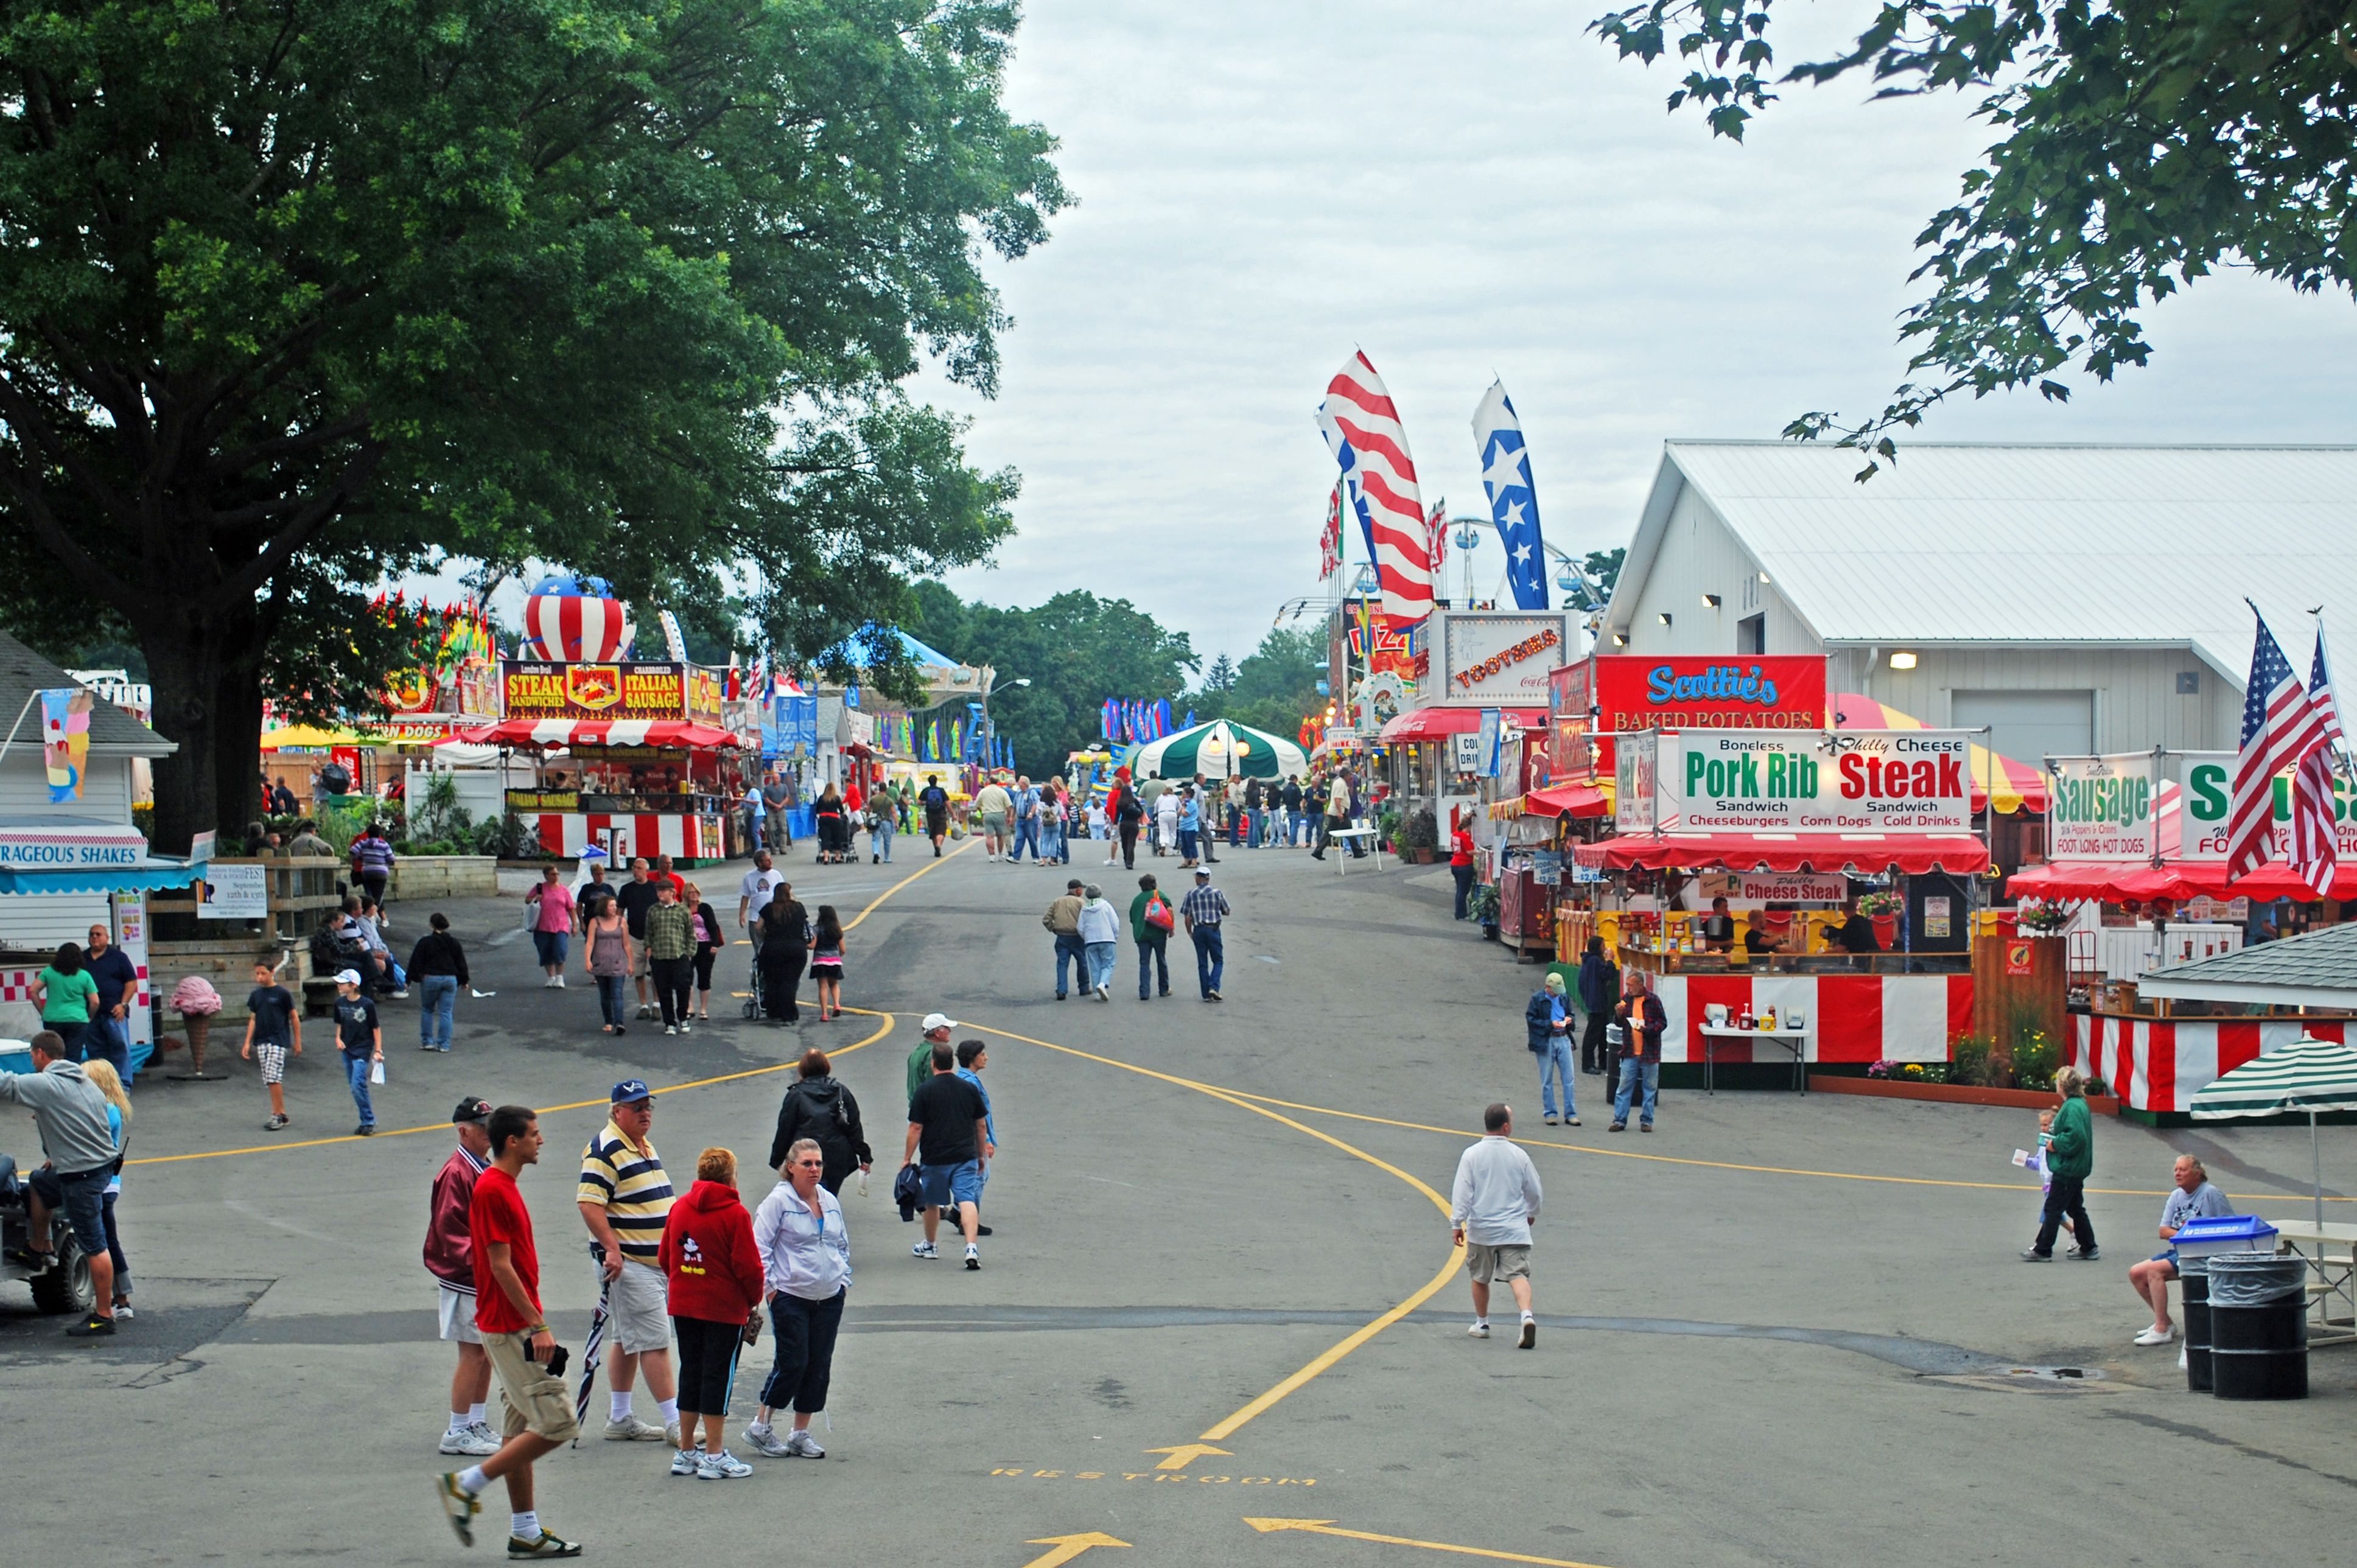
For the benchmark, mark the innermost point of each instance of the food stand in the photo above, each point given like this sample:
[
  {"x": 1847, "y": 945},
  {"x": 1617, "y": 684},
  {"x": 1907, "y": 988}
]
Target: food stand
[
  {"x": 633, "y": 757},
  {"x": 2138, "y": 843},
  {"x": 1791, "y": 824}
]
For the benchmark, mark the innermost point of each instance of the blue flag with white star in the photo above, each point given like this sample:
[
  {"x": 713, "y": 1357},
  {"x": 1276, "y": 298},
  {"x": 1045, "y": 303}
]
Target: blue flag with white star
[{"x": 1513, "y": 503}]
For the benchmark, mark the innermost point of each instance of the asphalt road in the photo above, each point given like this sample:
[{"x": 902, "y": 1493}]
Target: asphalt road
[{"x": 1780, "y": 1330}]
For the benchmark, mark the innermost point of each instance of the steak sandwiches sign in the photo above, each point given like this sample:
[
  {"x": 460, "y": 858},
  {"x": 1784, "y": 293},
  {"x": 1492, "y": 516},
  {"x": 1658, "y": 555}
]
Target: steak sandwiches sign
[{"x": 1811, "y": 781}]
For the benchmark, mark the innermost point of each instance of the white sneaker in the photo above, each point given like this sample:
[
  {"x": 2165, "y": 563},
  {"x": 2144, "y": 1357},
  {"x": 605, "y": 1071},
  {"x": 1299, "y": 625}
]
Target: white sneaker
[
  {"x": 924, "y": 1249},
  {"x": 684, "y": 1462},
  {"x": 973, "y": 1256},
  {"x": 721, "y": 1466},
  {"x": 2157, "y": 1335},
  {"x": 803, "y": 1446},
  {"x": 683, "y": 1027},
  {"x": 470, "y": 1441},
  {"x": 1479, "y": 1331},
  {"x": 490, "y": 1434},
  {"x": 548, "y": 983},
  {"x": 630, "y": 1429},
  {"x": 766, "y": 1443},
  {"x": 560, "y": 983},
  {"x": 671, "y": 1028},
  {"x": 1530, "y": 1333}
]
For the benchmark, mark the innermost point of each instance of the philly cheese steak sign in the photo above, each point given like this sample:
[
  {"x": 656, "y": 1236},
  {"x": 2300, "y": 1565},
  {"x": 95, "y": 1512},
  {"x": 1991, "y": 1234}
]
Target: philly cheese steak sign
[{"x": 1816, "y": 782}]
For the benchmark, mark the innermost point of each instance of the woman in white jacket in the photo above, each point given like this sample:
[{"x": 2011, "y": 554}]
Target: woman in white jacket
[{"x": 806, "y": 1263}]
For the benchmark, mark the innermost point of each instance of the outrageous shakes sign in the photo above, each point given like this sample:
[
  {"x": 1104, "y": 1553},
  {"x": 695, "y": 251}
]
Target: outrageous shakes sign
[
  {"x": 1807, "y": 782},
  {"x": 2102, "y": 808}
]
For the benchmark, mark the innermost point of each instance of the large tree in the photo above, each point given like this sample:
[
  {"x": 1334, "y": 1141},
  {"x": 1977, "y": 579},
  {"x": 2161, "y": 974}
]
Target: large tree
[
  {"x": 1076, "y": 650},
  {"x": 2139, "y": 148},
  {"x": 1276, "y": 686},
  {"x": 299, "y": 292}
]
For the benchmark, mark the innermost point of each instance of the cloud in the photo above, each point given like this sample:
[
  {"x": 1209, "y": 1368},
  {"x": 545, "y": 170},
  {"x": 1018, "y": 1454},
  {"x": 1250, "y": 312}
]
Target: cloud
[{"x": 1464, "y": 192}]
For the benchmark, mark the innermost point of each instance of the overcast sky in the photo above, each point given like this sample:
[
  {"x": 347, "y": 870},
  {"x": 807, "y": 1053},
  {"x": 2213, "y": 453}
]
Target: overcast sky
[{"x": 1464, "y": 192}]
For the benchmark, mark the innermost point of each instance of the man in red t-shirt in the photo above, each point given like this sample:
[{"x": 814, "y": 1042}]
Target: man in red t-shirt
[{"x": 538, "y": 1415}]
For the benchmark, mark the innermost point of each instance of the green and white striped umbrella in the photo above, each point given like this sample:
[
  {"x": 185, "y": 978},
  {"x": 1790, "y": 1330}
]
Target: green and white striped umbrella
[
  {"x": 1220, "y": 749},
  {"x": 2308, "y": 1075}
]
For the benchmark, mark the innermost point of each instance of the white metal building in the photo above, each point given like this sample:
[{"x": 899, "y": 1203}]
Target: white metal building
[{"x": 2073, "y": 599}]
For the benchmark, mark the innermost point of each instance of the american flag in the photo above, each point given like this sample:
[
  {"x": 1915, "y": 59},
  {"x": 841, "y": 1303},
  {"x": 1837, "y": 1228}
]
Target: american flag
[
  {"x": 2315, "y": 854},
  {"x": 1435, "y": 529},
  {"x": 1329, "y": 543},
  {"x": 2279, "y": 727},
  {"x": 1362, "y": 429}
]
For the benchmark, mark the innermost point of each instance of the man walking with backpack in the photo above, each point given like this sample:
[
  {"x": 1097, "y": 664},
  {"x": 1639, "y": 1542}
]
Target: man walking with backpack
[{"x": 1151, "y": 921}]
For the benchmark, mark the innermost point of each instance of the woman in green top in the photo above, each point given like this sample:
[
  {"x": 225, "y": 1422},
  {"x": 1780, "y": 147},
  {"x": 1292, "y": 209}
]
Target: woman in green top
[
  {"x": 68, "y": 998},
  {"x": 2070, "y": 1161}
]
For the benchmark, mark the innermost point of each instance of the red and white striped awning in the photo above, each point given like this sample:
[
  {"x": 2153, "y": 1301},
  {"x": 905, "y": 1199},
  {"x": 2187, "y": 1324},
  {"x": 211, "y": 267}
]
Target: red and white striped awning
[{"x": 568, "y": 733}]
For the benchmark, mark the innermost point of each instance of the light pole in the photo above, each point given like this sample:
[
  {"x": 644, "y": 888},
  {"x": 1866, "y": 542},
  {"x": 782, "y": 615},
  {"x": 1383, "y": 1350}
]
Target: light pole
[{"x": 990, "y": 730}]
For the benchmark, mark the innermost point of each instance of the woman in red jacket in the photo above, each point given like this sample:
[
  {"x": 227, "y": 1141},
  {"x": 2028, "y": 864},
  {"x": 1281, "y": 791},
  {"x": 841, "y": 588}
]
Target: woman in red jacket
[{"x": 716, "y": 1287}]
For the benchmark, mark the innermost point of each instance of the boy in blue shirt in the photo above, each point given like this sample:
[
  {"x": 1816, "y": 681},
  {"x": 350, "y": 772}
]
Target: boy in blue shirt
[
  {"x": 361, "y": 1039},
  {"x": 272, "y": 1029}
]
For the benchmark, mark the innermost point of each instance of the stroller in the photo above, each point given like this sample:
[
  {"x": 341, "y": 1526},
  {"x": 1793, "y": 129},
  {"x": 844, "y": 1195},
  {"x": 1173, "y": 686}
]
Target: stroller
[{"x": 753, "y": 987}]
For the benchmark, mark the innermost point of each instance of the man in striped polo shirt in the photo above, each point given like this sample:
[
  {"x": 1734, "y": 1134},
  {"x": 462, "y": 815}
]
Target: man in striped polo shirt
[{"x": 625, "y": 1196}]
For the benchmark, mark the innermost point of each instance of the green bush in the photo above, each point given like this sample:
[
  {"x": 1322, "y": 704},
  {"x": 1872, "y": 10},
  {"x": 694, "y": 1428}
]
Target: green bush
[
  {"x": 1423, "y": 831},
  {"x": 1969, "y": 1060},
  {"x": 2035, "y": 1058}
]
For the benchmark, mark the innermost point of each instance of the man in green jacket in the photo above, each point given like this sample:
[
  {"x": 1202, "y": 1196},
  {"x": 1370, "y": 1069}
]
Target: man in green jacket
[
  {"x": 1152, "y": 940},
  {"x": 2070, "y": 1161}
]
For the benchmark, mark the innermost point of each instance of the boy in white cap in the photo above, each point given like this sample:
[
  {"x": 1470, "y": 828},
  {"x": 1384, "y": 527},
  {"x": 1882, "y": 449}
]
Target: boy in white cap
[{"x": 361, "y": 1041}]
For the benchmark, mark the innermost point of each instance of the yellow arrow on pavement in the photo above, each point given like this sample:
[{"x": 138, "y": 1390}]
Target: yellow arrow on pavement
[
  {"x": 1326, "y": 1527},
  {"x": 1184, "y": 1454},
  {"x": 1068, "y": 1547}
]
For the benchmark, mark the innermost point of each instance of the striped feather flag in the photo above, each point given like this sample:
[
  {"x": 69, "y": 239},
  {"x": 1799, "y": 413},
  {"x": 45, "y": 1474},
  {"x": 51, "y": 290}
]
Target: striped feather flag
[{"x": 1362, "y": 430}]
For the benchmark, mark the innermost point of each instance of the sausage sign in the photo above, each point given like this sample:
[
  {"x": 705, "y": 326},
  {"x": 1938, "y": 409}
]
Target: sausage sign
[{"x": 1814, "y": 781}]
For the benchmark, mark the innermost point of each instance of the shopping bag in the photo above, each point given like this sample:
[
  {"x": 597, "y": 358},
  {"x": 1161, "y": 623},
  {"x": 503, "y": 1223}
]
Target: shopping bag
[{"x": 376, "y": 1070}]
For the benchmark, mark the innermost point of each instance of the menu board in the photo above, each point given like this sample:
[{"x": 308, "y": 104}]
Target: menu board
[{"x": 534, "y": 689}]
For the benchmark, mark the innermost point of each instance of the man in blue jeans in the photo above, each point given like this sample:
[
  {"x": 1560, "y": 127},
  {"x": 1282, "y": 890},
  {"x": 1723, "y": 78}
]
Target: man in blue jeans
[
  {"x": 949, "y": 1140},
  {"x": 1204, "y": 909},
  {"x": 1063, "y": 922},
  {"x": 1642, "y": 1020},
  {"x": 1026, "y": 820},
  {"x": 108, "y": 1039},
  {"x": 1548, "y": 1020}
]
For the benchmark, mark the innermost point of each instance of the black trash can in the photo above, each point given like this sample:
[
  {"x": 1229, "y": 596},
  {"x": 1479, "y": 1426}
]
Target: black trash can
[
  {"x": 2194, "y": 1275},
  {"x": 2259, "y": 1326}
]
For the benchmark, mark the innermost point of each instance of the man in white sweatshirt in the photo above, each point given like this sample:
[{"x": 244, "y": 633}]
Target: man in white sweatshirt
[{"x": 1491, "y": 1205}]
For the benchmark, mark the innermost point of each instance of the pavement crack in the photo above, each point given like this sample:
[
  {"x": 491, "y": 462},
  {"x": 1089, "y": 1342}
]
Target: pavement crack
[{"x": 2203, "y": 1435}]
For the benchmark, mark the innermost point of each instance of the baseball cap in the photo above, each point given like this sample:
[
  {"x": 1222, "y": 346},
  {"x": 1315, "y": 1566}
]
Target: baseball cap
[
  {"x": 939, "y": 1021},
  {"x": 1202, "y": 874},
  {"x": 348, "y": 977},
  {"x": 631, "y": 1089},
  {"x": 474, "y": 1108}
]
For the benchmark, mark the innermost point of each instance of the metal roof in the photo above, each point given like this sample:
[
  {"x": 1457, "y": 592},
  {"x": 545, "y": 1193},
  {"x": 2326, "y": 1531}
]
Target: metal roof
[
  {"x": 2042, "y": 544},
  {"x": 2318, "y": 970},
  {"x": 112, "y": 730}
]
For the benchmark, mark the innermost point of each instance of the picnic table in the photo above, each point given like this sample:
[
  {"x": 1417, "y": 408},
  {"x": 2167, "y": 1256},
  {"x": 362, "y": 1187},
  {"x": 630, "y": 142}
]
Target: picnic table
[
  {"x": 2330, "y": 1251},
  {"x": 1794, "y": 1041},
  {"x": 1344, "y": 836}
]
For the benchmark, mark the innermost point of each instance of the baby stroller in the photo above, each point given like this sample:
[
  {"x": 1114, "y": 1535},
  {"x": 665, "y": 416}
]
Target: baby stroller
[{"x": 753, "y": 988}]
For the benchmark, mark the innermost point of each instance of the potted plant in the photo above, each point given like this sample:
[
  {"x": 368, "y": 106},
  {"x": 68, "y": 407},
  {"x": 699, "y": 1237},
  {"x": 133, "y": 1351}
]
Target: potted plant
[
  {"x": 2039, "y": 919},
  {"x": 1387, "y": 827},
  {"x": 1423, "y": 831},
  {"x": 1882, "y": 909}
]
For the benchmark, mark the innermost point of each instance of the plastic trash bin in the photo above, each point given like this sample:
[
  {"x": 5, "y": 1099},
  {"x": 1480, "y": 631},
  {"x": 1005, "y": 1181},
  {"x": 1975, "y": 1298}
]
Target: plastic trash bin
[
  {"x": 2194, "y": 1273},
  {"x": 2224, "y": 1233},
  {"x": 2259, "y": 1326}
]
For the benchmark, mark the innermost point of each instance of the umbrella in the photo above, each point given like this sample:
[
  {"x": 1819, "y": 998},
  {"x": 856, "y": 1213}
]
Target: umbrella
[
  {"x": 591, "y": 1346},
  {"x": 2308, "y": 1075},
  {"x": 1219, "y": 749}
]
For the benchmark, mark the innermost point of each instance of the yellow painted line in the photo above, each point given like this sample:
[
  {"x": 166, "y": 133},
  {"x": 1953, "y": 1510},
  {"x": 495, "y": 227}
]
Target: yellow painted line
[
  {"x": 882, "y": 1030},
  {"x": 930, "y": 865},
  {"x": 1327, "y": 1358},
  {"x": 2016, "y": 1187},
  {"x": 1327, "y": 1527}
]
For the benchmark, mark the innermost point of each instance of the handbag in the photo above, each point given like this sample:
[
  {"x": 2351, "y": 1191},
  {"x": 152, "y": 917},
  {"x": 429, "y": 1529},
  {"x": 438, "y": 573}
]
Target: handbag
[{"x": 1159, "y": 914}]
